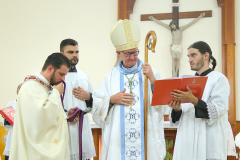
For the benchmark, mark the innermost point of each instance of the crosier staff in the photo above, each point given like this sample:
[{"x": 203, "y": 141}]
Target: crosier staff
[{"x": 150, "y": 42}]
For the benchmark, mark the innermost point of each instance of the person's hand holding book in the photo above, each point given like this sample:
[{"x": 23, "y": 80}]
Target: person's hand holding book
[{"x": 184, "y": 96}]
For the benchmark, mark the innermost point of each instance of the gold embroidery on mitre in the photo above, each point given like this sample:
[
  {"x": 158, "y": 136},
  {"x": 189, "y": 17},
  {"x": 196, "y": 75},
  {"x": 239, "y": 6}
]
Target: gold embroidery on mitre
[
  {"x": 125, "y": 47},
  {"x": 130, "y": 43},
  {"x": 55, "y": 141},
  {"x": 194, "y": 81}
]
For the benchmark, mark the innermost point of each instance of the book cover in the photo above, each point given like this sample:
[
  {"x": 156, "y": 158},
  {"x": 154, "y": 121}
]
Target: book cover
[
  {"x": 8, "y": 113},
  {"x": 163, "y": 88}
]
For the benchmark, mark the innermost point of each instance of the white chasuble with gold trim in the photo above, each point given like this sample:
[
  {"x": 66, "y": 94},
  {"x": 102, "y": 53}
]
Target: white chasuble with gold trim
[{"x": 40, "y": 131}]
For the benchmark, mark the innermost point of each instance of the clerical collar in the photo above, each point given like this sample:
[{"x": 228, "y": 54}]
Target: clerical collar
[
  {"x": 133, "y": 67},
  {"x": 42, "y": 78},
  {"x": 73, "y": 69},
  {"x": 204, "y": 73}
]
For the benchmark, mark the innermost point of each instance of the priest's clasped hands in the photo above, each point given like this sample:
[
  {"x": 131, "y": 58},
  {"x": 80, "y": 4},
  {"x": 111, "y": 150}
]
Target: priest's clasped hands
[{"x": 180, "y": 96}]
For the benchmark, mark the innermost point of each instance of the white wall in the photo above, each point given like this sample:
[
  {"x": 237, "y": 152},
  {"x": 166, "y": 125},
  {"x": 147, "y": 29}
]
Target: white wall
[{"x": 31, "y": 30}]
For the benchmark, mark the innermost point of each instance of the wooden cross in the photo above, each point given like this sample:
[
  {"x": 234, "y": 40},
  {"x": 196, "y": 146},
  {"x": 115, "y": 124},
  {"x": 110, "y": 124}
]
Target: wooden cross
[{"x": 176, "y": 15}]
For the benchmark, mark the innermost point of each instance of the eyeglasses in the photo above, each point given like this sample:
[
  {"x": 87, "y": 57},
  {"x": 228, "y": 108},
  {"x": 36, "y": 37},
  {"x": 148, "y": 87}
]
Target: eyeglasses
[{"x": 128, "y": 54}]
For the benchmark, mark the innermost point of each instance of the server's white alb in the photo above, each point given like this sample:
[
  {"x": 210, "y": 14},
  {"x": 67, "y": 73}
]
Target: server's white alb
[
  {"x": 200, "y": 138},
  {"x": 75, "y": 80}
]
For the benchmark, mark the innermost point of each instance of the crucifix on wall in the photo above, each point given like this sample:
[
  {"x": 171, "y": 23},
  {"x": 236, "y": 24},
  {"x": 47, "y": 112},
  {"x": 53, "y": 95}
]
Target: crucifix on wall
[{"x": 176, "y": 31}]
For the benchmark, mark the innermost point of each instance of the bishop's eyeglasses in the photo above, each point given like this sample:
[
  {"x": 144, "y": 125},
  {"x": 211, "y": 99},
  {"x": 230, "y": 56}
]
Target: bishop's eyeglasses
[{"x": 128, "y": 54}]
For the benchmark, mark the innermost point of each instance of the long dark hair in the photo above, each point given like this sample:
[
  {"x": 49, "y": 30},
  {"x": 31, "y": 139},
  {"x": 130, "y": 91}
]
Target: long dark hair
[{"x": 203, "y": 47}]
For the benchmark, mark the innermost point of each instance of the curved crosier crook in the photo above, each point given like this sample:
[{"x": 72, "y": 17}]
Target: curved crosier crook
[{"x": 149, "y": 45}]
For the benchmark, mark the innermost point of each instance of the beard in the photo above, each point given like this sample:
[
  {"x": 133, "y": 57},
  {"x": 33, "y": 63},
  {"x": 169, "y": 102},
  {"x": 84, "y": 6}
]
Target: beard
[
  {"x": 53, "y": 79},
  {"x": 74, "y": 61},
  {"x": 199, "y": 65}
]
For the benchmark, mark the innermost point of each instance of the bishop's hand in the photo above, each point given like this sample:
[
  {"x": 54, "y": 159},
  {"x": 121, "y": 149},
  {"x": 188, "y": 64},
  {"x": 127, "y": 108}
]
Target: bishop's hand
[
  {"x": 122, "y": 98},
  {"x": 147, "y": 70}
]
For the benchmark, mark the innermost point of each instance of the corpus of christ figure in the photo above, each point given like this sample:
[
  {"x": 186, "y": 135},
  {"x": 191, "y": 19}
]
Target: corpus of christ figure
[{"x": 176, "y": 47}]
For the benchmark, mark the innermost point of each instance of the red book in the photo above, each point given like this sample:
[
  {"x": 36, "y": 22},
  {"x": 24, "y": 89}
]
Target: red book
[
  {"x": 163, "y": 88},
  {"x": 8, "y": 113}
]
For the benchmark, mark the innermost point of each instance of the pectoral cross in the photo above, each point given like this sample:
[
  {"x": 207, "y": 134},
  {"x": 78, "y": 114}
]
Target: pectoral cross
[
  {"x": 131, "y": 103},
  {"x": 130, "y": 81},
  {"x": 175, "y": 15}
]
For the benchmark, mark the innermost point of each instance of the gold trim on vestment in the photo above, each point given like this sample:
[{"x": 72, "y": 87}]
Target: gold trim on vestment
[
  {"x": 55, "y": 141},
  {"x": 35, "y": 78},
  {"x": 57, "y": 118}
]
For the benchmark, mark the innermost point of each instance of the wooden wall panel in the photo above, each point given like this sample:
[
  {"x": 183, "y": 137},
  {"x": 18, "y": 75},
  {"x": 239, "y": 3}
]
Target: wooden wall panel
[
  {"x": 228, "y": 51},
  {"x": 125, "y": 8}
]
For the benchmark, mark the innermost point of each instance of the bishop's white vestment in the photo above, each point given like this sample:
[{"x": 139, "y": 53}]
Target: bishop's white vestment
[
  {"x": 75, "y": 80},
  {"x": 40, "y": 130},
  {"x": 205, "y": 138},
  {"x": 122, "y": 127}
]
